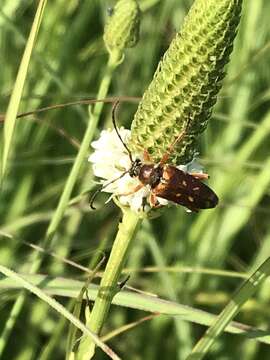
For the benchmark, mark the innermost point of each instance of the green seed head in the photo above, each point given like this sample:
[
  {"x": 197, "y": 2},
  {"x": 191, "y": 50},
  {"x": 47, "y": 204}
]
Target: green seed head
[
  {"x": 186, "y": 82},
  {"x": 122, "y": 27}
]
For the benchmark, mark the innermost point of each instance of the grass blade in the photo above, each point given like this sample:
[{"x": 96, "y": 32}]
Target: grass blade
[
  {"x": 230, "y": 311},
  {"x": 13, "y": 106},
  {"x": 71, "y": 288},
  {"x": 59, "y": 308}
]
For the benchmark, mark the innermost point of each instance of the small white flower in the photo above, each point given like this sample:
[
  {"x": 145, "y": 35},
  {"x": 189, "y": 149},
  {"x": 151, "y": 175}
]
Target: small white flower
[{"x": 110, "y": 160}]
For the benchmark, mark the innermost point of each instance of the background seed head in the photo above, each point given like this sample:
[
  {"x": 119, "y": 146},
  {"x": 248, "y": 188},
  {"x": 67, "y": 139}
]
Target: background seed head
[{"x": 122, "y": 27}]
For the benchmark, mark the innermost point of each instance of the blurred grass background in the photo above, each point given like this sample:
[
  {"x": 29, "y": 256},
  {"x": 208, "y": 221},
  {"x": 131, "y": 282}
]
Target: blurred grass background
[{"x": 67, "y": 64}]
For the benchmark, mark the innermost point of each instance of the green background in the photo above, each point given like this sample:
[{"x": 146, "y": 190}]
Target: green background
[{"x": 68, "y": 63}]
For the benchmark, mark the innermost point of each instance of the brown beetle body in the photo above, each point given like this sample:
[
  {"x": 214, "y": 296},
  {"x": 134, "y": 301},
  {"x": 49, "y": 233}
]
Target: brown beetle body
[{"x": 170, "y": 183}]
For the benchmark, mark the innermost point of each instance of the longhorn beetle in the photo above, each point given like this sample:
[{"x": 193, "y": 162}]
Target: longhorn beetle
[{"x": 166, "y": 181}]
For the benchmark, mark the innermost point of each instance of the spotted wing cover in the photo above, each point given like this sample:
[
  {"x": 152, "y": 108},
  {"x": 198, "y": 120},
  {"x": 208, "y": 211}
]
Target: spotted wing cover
[{"x": 184, "y": 189}]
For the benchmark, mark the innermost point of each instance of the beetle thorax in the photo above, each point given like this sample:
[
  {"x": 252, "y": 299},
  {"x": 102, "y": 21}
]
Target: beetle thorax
[{"x": 150, "y": 174}]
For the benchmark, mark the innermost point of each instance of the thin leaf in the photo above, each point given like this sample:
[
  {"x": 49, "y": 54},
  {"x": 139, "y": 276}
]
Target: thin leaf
[
  {"x": 71, "y": 288},
  {"x": 230, "y": 311},
  {"x": 58, "y": 307},
  {"x": 13, "y": 106}
]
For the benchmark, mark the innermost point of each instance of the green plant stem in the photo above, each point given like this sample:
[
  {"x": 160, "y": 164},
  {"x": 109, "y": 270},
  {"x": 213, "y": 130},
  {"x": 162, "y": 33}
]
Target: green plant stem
[
  {"x": 66, "y": 194},
  {"x": 16, "y": 308},
  {"x": 108, "y": 286}
]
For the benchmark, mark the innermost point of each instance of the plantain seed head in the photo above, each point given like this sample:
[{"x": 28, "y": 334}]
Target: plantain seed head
[{"x": 186, "y": 82}]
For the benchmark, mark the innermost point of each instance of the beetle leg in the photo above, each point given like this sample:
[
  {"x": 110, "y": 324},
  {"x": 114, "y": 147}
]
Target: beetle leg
[
  {"x": 164, "y": 158},
  {"x": 154, "y": 202},
  {"x": 200, "y": 176},
  {"x": 147, "y": 156},
  {"x": 135, "y": 189}
]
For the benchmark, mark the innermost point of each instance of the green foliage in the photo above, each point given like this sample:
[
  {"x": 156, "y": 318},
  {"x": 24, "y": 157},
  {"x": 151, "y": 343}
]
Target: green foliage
[{"x": 174, "y": 256}]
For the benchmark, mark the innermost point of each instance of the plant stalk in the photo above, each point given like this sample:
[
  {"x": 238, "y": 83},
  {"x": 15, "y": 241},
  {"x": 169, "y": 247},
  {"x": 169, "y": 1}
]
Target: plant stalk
[{"x": 108, "y": 286}]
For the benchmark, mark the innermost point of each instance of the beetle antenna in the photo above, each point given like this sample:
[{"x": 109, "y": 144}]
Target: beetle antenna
[
  {"x": 168, "y": 152},
  {"x": 115, "y": 105},
  {"x": 93, "y": 197}
]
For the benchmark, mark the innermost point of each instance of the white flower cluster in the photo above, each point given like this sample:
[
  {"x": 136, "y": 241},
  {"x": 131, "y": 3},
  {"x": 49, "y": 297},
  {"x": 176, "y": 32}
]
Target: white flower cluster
[{"x": 110, "y": 160}]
